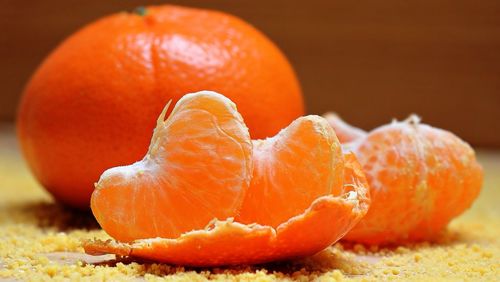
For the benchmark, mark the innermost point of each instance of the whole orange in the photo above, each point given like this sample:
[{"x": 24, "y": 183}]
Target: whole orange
[{"x": 93, "y": 102}]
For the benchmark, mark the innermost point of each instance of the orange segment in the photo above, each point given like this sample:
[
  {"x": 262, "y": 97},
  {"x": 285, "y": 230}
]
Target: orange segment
[
  {"x": 454, "y": 187},
  {"x": 303, "y": 162},
  {"x": 198, "y": 167},
  {"x": 394, "y": 170}
]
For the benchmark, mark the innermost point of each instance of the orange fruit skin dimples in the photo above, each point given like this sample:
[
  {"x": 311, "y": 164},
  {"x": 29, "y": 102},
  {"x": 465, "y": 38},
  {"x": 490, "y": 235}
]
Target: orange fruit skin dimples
[
  {"x": 93, "y": 101},
  {"x": 203, "y": 157},
  {"x": 420, "y": 178}
]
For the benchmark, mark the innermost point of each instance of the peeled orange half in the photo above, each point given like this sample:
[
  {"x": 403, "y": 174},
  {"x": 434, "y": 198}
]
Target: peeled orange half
[
  {"x": 420, "y": 178},
  {"x": 205, "y": 194}
]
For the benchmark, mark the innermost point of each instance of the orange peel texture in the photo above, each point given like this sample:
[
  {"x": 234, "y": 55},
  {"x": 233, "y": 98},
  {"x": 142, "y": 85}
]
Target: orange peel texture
[
  {"x": 420, "y": 178},
  {"x": 290, "y": 196}
]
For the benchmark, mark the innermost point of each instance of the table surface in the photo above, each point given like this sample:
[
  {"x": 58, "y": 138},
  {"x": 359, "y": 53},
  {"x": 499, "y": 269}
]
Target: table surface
[{"x": 41, "y": 240}]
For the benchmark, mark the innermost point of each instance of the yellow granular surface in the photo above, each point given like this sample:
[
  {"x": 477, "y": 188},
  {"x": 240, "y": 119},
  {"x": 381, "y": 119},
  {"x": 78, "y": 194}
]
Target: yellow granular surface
[{"x": 40, "y": 240}]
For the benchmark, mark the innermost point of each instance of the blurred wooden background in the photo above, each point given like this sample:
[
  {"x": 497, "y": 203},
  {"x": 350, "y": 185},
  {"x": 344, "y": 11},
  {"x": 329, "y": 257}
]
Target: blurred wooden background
[{"x": 371, "y": 61}]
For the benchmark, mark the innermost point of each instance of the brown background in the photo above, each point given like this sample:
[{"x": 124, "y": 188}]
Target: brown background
[{"x": 368, "y": 60}]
